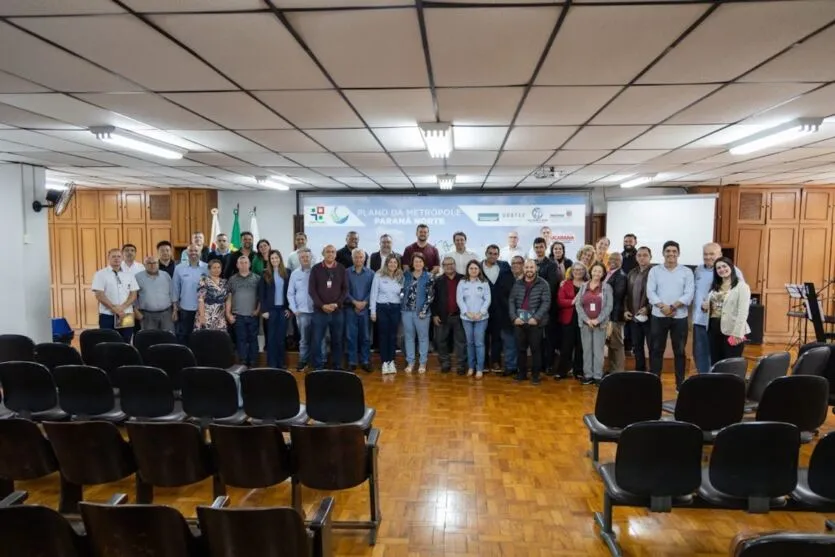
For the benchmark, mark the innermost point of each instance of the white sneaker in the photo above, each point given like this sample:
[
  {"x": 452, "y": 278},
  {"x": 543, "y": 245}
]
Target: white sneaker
[
  {"x": 409, "y": 368},
  {"x": 385, "y": 368},
  {"x": 422, "y": 370},
  {"x": 389, "y": 368}
]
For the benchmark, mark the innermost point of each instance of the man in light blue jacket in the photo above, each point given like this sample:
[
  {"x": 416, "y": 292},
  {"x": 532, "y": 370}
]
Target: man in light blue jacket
[{"x": 301, "y": 304}]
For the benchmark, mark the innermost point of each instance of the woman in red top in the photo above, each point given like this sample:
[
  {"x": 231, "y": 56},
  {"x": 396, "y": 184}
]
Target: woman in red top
[{"x": 571, "y": 352}]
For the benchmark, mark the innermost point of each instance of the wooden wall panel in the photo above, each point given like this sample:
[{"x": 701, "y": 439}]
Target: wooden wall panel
[
  {"x": 779, "y": 261},
  {"x": 66, "y": 273},
  {"x": 783, "y": 207},
  {"x": 136, "y": 234},
  {"x": 814, "y": 255},
  {"x": 180, "y": 226},
  {"x": 110, "y": 207},
  {"x": 133, "y": 207},
  {"x": 87, "y": 206},
  {"x": 111, "y": 238},
  {"x": 750, "y": 241}
]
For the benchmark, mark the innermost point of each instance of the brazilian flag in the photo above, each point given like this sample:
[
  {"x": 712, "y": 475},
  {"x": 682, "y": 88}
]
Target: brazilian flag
[{"x": 235, "y": 236}]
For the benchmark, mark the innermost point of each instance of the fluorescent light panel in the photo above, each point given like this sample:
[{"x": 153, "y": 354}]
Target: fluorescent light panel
[
  {"x": 639, "y": 181},
  {"x": 776, "y": 135},
  {"x": 121, "y": 138},
  {"x": 446, "y": 181},
  {"x": 438, "y": 138},
  {"x": 274, "y": 182}
]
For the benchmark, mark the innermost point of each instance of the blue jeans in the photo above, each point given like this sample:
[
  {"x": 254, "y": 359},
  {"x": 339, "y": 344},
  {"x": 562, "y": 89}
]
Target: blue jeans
[
  {"x": 335, "y": 323},
  {"x": 304, "y": 323},
  {"x": 246, "y": 334},
  {"x": 388, "y": 319},
  {"x": 413, "y": 326},
  {"x": 357, "y": 336},
  {"x": 510, "y": 353},
  {"x": 109, "y": 322},
  {"x": 277, "y": 331},
  {"x": 701, "y": 348},
  {"x": 474, "y": 331}
]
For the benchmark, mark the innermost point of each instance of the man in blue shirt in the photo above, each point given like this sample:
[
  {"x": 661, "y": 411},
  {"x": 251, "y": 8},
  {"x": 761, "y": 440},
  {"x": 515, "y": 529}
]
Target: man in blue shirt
[
  {"x": 301, "y": 305},
  {"x": 357, "y": 321},
  {"x": 184, "y": 292},
  {"x": 670, "y": 289}
]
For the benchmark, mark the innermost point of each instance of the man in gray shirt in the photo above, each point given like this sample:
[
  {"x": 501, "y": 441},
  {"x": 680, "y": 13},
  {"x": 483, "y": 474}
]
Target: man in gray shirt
[
  {"x": 153, "y": 303},
  {"x": 242, "y": 310}
]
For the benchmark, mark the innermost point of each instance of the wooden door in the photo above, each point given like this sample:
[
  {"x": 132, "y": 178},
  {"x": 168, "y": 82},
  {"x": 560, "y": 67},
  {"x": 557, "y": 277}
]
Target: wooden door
[
  {"x": 66, "y": 273},
  {"x": 135, "y": 234},
  {"x": 110, "y": 207},
  {"x": 91, "y": 258},
  {"x": 86, "y": 206},
  {"x": 180, "y": 226},
  {"x": 156, "y": 234},
  {"x": 750, "y": 241},
  {"x": 779, "y": 269},
  {"x": 751, "y": 206},
  {"x": 783, "y": 206},
  {"x": 726, "y": 216},
  {"x": 53, "y": 256},
  {"x": 816, "y": 206},
  {"x": 133, "y": 207},
  {"x": 111, "y": 238},
  {"x": 158, "y": 207},
  {"x": 814, "y": 253},
  {"x": 198, "y": 211}
]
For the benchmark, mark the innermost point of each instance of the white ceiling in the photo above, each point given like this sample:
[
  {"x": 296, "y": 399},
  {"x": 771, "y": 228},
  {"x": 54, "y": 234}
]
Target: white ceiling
[{"x": 330, "y": 92}]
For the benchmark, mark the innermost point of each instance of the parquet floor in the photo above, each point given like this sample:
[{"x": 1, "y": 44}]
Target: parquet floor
[{"x": 488, "y": 468}]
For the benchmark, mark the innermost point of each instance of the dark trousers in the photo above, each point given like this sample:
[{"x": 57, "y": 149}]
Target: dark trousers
[
  {"x": 493, "y": 344},
  {"x": 109, "y": 322},
  {"x": 528, "y": 337},
  {"x": 265, "y": 325},
  {"x": 185, "y": 325},
  {"x": 388, "y": 320},
  {"x": 550, "y": 343},
  {"x": 334, "y": 323},
  {"x": 660, "y": 327},
  {"x": 640, "y": 342},
  {"x": 719, "y": 347},
  {"x": 276, "y": 346},
  {"x": 571, "y": 353},
  {"x": 452, "y": 330},
  {"x": 246, "y": 333}
]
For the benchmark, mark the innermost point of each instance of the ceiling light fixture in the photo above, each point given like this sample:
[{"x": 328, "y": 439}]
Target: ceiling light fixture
[
  {"x": 638, "y": 181},
  {"x": 776, "y": 135},
  {"x": 128, "y": 140},
  {"x": 273, "y": 182},
  {"x": 615, "y": 178},
  {"x": 446, "y": 181},
  {"x": 438, "y": 138}
]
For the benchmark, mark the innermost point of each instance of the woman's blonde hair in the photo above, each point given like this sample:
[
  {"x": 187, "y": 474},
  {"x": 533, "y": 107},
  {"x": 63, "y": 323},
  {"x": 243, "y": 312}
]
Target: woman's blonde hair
[
  {"x": 585, "y": 249},
  {"x": 384, "y": 269}
]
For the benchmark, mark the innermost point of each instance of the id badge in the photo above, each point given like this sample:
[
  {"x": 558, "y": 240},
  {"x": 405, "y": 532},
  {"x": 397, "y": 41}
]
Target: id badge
[
  {"x": 592, "y": 306},
  {"x": 329, "y": 283}
]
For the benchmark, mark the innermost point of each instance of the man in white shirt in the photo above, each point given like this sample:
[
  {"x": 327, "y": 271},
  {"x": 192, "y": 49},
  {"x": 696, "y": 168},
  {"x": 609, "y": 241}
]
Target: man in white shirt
[
  {"x": 544, "y": 232},
  {"x": 300, "y": 241},
  {"x": 461, "y": 255},
  {"x": 512, "y": 248},
  {"x": 129, "y": 262},
  {"x": 115, "y": 290}
]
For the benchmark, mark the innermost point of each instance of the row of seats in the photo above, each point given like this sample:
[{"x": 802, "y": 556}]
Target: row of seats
[
  {"x": 320, "y": 457},
  {"x": 781, "y": 544},
  {"x": 116, "y": 528}
]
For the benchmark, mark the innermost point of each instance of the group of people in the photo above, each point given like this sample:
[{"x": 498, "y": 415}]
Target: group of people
[{"x": 510, "y": 311}]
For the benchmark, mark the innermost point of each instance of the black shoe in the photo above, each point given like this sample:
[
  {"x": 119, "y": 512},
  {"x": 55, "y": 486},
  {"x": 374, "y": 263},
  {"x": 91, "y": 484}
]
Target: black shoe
[
  {"x": 519, "y": 378},
  {"x": 535, "y": 380},
  {"x": 366, "y": 368},
  {"x": 445, "y": 370},
  {"x": 509, "y": 372},
  {"x": 597, "y": 382},
  {"x": 560, "y": 377},
  {"x": 461, "y": 372},
  {"x": 588, "y": 381},
  {"x": 549, "y": 373},
  {"x": 300, "y": 366}
]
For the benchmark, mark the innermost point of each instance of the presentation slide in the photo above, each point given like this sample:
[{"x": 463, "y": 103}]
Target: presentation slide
[
  {"x": 686, "y": 219},
  {"x": 485, "y": 219}
]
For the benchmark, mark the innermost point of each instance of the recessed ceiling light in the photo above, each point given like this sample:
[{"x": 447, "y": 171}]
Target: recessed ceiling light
[
  {"x": 446, "y": 181},
  {"x": 438, "y": 138}
]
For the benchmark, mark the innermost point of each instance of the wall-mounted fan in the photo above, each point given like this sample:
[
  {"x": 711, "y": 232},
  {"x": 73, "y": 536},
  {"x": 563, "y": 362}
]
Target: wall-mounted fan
[{"x": 57, "y": 197}]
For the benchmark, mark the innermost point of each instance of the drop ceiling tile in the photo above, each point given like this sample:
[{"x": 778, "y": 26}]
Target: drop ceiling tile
[
  {"x": 725, "y": 136},
  {"x": 738, "y": 101},
  {"x": 284, "y": 140},
  {"x": 149, "y": 109},
  {"x": 524, "y": 158},
  {"x": 683, "y": 156},
  {"x": 817, "y": 103},
  {"x": 578, "y": 156},
  {"x": 11, "y": 116},
  {"x": 810, "y": 60},
  {"x": 563, "y": 105},
  {"x": 214, "y": 159},
  {"x": 535, "y": 138},
  {"x": 338, "y": 172},
  {"x": 357, "y": 181},
  {"x": 264, "y": 159},
  {"x": 472, "y": 158},
  {"x": 631, "y": 156},
  {"x": 414, "y": 158},
  {"x": 236, "y": 111},
  {"x": 312, "y": 109},
  {"x": 392, "y": 107},
  {"x": 368, "y": 161},
  {"x": 315, "y": 159},
  {"x": 671, "y": 137},
  {"x": 359, "y": 140},
  {"x": 64, "y": 7},
  {"x": 70, "y": 110},
  {"x": 365, "y": 48},
  {"x": 479, "y": 106},
  {"x": 400, "y": 139},
  {"x": 34, "y": 141},
  {"x": 589, "y": 49},
  {"x": 126, "y": 45},
  {"x": 143, "y": 6},
  {"x": 219, "y": 140},
  {"x": 751, "y": 31},
  {"x": 12, "y": 84},
  {"x": 604, "y": 137},
  {"x": 651, "y": 104},
  {"x": 48, "y": 158},
  {"x": 481, "y": 138}
]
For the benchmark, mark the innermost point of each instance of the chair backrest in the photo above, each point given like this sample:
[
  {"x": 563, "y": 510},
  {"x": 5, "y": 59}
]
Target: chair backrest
[
  {"x": 768, "y": 368},
  {"x": 734, "y": 366},
  {"x": 25, "y": 454},
  {"x": 91, "y": 337},
  {"x": 334, "y": 397},
  {"x": 711, "y": 401},
  {"x": 812, "y": 362},
  {"x": 144, "y": 391},
  {"x": 172, "y": 359},
  {"x": 269, "y": 393},
  {"x": 821, "y": 465},
  {"x": 27, "y": 387},
  {"x": 54, "y": 354},
  {"x": 800, "y": 400},
  {"x": 137, "y": 530},
  {"x": 33, "y": 530},
  {"x": 254, "y": 531},
  {"x": 90, "y": 453},
  {"x": 250, "y": 457},
  {"x": 755, "y": 459},
  {"x": 147, "y": 338},
  {"x": 16, "y": 348},
  {"x": 83, "y": 390},
  {"x": 112, "y": 355},
  {"x": 329, "y": 457},
  {"x": 170, "y": 454},
  {"x": 628, "y": 397},
  {"x": 209, "y": 392},
  {"x": 212, "y": 348},
  {"x": 642, "y": 469},
  {"x": 781, "y": 544}
]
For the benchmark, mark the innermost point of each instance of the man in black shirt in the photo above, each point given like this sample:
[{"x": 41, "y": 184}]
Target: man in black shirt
[
  {"x": 165, "y": 252},
  {"x": 344, "y": 257},
  {"x": 548, "y": 270},
  {"x": 246, "y": 249}
]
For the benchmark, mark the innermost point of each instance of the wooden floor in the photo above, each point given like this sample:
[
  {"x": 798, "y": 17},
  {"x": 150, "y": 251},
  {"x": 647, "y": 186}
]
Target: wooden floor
[{"x": 488, "y": 468}]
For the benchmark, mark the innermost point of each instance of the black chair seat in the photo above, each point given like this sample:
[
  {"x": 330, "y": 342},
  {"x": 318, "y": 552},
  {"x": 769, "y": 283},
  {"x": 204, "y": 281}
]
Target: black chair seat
[
  {"x": 804, "y": 495},
  {"x": 708, "y": 436},
  {"x": 715, "y": 497},
  {"x": 238, "y": 418},
  {"x": 620, "y": 496},
  {"x": 364, "y": 422},
  {"x": 176, "y": 415},
  {"x": 299, "y": 419},
  {"x": 51, "y": 415},
  {"x": 116, "y": 416},
  {"x": 602, "y": 432}
]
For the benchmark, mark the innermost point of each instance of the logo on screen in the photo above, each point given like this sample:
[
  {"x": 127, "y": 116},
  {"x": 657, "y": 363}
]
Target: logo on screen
[
  {"x": 488, "y": 217},
  {"x": 536, "y": 214},
  {"x": 340, "y": 215},
  {"x": 317, "y": 214}
]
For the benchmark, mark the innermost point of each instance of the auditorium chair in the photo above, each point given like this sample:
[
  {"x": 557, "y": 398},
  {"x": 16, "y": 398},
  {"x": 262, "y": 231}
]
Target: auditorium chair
[
  {"x": 253, "y": 457},
  {"x": 812, "y": 361},
  {"x": 783, "y": 544},
  {"x": 88, "y": 453},
  {"x": 4, "y": 412},
  {"x": 267, "y": 531},
  {"x": 710, "y": 401},
  {"x": 271, "y": 396},
  {"x": 147, "y": 338},
  {"x": 643, "y": 475},
  {"x": 768, "y": 368},
  {"x": 92, "y": 337},
  {"x": 214, "y": 348},
  {"x": 169, "y": 455},
  {"x": 29, "y": 391},
  {"x": 816, "y": 484},
  {"x": 37, "y": 531},
  {"x": 25, "y": 454},
  {"x": 16, "y": 348},
  {"x": 210, "y": 395},
  {"x": 147, "y": 395},
  {"x": 337, "y": 457},
  {"x": 734, "y": 366},
  {"x": 54, "y": 354},
  {"x": 800, "y": 400},
  {"x": 337, "y": 397},
  {"x": 753, "y": 467},
  {"x": 110, "y": 356},
  {"x": 172, "y": 359},
  {"x": 623, "y": 398},
  {"x": 85, "y": 393}
]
